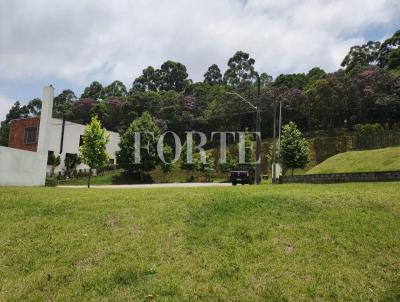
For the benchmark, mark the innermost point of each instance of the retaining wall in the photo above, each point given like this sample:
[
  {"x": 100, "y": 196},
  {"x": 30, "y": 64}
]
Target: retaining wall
[{"x": 342, "y": 177}]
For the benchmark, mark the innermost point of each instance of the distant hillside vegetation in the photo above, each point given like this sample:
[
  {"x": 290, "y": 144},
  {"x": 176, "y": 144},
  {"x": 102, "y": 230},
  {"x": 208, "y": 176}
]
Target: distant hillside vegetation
[{"x": 387, "y": 159}]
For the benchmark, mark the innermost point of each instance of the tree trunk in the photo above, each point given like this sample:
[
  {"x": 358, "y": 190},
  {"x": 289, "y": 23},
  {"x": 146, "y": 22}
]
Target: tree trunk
[
  {"x": 292, "y": 171},
  {"x": 90, "y": 175}
]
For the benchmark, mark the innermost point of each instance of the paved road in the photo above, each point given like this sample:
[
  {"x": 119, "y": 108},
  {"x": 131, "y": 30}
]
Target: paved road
[{"x": 165, "y": 185}]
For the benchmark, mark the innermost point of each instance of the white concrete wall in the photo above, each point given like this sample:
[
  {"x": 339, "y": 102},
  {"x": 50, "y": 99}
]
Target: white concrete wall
[
  {"x": 72, "y": 135},
  {"x": 22, "y": 168},
  {"x": 26, "y": 168}
]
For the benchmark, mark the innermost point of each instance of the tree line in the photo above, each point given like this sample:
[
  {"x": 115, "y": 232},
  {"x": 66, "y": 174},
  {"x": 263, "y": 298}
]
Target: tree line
[{"x": 365, "y": 90}]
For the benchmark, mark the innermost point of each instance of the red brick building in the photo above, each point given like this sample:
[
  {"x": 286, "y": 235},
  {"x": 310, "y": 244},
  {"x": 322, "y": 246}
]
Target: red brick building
[{"x": 24, "y": 134}]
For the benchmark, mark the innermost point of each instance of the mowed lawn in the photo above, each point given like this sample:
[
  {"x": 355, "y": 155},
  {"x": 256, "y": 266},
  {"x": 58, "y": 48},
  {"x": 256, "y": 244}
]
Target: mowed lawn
[{"x": 247, "y": 243}]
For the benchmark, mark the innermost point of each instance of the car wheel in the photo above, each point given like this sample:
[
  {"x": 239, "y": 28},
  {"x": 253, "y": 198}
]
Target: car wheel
[{"x": 234, "y": 184}]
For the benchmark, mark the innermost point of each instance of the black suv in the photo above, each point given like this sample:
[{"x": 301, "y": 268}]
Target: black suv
[{"x": 242, "y": 175}]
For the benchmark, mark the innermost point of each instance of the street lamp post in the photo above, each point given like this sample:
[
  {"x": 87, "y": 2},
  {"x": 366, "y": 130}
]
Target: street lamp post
[{"x": 257, "y": 168}]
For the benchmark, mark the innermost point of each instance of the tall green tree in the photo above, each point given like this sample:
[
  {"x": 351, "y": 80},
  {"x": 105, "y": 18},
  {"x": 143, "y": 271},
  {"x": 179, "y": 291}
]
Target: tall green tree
[
  {"x": 375, "y": 96},
  {"x": 265, "y": 79},
  {"x": 294, "y": 80},
  {"x": 294, "y": 147},
  {"x": 360, "y": 56},
  {"x": 148, "y": 158},
  {"x": 327, "y": 103},
  {"x": 115, "y": 89},
  {"x": 240, "y": 69},
  {"x": 314, "y": 74},
  {"x": 213, "y": 75},
  {"x": 389, "y": 52},
  {"x": 148, "y": 81},
  {"x": 102, "y": 112},
  {"x": 172, "y": 76},
  {"x": 16, "y": 111},
  {"x": 115, "y": 114},
  {"x": 93, "y": 151},
  {"x": 63, "y": 103},
  {"x": 81, "y": 110},
  {"x": 93, "y": 91},
  {"x": 35, "y": 107}
]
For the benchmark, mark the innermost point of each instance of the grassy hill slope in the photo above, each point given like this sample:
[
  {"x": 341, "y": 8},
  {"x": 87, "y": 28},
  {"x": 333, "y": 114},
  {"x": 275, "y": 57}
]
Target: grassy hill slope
[{"x": 387, "y": 159}]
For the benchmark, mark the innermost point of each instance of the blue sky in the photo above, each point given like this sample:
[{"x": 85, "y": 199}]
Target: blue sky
[{"x": 70, "y": 45}]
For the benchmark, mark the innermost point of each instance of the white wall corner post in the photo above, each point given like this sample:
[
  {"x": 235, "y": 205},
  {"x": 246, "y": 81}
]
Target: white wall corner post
[
  {"x": 45, "y": 119},
  {"x": 44, "y": 128}
]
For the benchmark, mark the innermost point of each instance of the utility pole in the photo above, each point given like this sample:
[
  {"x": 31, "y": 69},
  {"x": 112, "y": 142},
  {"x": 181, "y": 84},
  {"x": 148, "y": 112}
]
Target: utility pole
[
  {"x": 279, "y": 131},
  {"x": 258, "y": 139},
  {"x": 274, "y": 145}
]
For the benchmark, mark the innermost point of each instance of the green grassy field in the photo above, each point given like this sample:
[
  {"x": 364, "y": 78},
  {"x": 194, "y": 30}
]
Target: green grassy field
[
  {"x": 247, "y": 243},
  {"x": 387, "y": 159}
]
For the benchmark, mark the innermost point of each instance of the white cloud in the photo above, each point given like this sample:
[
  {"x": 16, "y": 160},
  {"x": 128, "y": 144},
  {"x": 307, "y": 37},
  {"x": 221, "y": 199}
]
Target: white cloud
[
  {"x": 106, "y": 40},
  {"x": 5, "y": 105}
]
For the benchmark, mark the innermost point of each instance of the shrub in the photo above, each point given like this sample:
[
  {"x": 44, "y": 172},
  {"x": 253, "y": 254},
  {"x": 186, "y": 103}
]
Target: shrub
[
  {"x": 107, "y": 168},
  {"x": 51, "y": 181},
  {"x": 70, "y": 163}
]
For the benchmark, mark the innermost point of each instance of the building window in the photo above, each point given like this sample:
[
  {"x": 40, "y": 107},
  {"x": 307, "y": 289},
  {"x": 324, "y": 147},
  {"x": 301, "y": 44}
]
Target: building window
[
  {"x": 70, "y": 162},
  {"x": 72, "y": 157},
  {"x": 50, "y": 158},
  {"x": 31, "y": 135}
]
